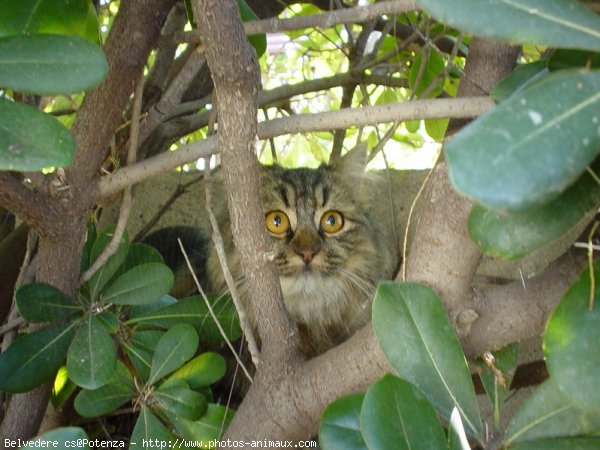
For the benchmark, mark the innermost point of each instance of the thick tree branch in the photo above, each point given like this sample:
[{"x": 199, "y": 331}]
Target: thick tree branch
[
  {"x": 234, "y": 70},
  {"x": 442, "y": 255}
]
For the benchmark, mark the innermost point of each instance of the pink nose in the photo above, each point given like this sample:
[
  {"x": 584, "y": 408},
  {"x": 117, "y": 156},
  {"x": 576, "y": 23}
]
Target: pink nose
[{"x": 307, "y": 254}]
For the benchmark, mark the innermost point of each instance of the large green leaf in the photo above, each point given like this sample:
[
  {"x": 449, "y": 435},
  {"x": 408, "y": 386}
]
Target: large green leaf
[
  {"x": 420, "y": 343},
  {"x": 31, "y": 140},
  {"x": 193, "y": 310},
  {"x": 548, "y": 414},
  {"x": 34, "y": 358},
  {"x": 571, "y": 343},
  {"x": 176, "y": 398},
  {"x": 69, "y": 17},
  {"x": 203, "y": 370},
  {"x": 530, "y": 148},
  {"x": 38, "y": 302},
  {"x": 340, "y": 425},
  {"x": 92, "y": 355},
  {"x": 396, "y": 416},
  {"x": 48, "y": 64},
  {"x": 554, "y": 23},
  {"x": 59, "y": 439},
  {"x": 522, "y": 75},
  {"x": 98, "y": 402},
  {"x": 142, "y": 284},
  {"x": 174, "y": 348},
  {"x": 114, "y": 262},
  {"x": 515, "y": 235}
]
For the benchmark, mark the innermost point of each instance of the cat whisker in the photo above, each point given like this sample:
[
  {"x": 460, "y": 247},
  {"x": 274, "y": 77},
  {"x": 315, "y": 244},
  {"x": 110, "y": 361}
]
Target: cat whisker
[{"x": 360, "y": 282}]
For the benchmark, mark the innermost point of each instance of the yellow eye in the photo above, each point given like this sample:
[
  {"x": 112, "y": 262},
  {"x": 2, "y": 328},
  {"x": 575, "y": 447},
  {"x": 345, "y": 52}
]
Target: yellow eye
[
  {"x": 277, "y": 222},
  {"x": 332, "y": 222}
]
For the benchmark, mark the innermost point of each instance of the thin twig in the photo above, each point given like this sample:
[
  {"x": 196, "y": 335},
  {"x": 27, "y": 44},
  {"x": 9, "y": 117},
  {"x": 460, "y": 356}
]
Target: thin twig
[
  {"x": 211, "y": 312},
  {"x": 220, "y": 249},
  {"x": 409, "y": 221},
  {"x": 126, "y": 201}
]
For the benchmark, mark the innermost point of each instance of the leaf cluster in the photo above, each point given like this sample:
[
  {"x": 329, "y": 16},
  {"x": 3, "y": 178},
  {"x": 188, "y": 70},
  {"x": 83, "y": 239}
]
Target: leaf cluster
[{"x": 124, "y": 340}]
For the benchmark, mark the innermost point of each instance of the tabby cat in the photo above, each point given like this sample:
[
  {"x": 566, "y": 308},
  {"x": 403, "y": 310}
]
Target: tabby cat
[{"x": 333, "y": 241}]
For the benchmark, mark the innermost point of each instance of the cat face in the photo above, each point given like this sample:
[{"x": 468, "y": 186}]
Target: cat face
[{"x": 329, "y": 250}]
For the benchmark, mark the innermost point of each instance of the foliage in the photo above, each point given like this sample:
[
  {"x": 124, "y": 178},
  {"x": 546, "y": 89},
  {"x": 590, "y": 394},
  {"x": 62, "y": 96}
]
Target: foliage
[
  {"x": 124, "y": 341},
  {"x": 530, "y": 165},
  {"x": 44, "y": 49},
  {"x": 532, "y": 186}
]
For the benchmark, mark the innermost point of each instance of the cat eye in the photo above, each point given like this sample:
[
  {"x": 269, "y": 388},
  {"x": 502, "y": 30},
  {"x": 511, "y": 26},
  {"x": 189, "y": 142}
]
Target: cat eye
[
  {"x": 332, "y": 222},
  {"x": 277, "y": 222}
]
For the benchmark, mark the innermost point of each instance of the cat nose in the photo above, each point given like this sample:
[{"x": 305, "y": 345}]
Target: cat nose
[{"x": 307, "y": 254}]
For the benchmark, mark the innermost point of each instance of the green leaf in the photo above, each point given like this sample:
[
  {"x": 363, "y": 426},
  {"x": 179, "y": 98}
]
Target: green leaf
[
  {"x": 90, "y": 238},
  {"x": 193, "y": 310},
  {"x": 436, "y": 128},
  {"x": 548, "y": 414},
  {"x": 114, "y": 394},
  {"x": 571, "y": 340},
  {"x": 211, "y": 426},
  {"x": 340, "y": 425},
  {"x": 203, "y": 370},
  {"x": 59, "y": 438},
  {"x": 34, "y": 358},
  {"x": 139, "y": 254},
  {"x": 92, "y": 355},
  {"x": 149, "y": 429},
  {"x": 47, "y": 64},
  {"x": 176, "y": 398},
  {"x": 31, "y": 140},
  {"x": 142, "y": 310},
  {"x": 560, "y": 444},
  {"x": 68, "y": 17},
  {"x": 554, "y": 23},
  {"x": 141, "y": 349},
  {"x": 258, "y": 41},
  {"x": 396, "y": 416},
  {"x": 174, "y": 348},
  {"x": 414, "y": 332},
  {"x": 521, "y": 76},
  {"x": 38, "y": 302},
  {"x": 530, "y": 148},
  {"x": 142, "y": 284},
  {"x": 512, "y": 236},
  {"x": 568, "y": 59},
  {"x": 430, "y": 73},
  {"x": 107, "y": 271}
]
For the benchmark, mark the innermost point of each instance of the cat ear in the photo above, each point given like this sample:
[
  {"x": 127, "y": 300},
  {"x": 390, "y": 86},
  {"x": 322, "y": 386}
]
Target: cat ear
[{"x": 354, "y": 161}]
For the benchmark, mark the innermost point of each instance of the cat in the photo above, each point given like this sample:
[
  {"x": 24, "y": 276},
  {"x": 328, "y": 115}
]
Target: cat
[{"x": 333, "y": 240}]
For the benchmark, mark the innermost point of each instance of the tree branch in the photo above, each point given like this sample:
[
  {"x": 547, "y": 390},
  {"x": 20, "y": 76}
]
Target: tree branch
[
  {"x": 368, "y": 115},
  {"x": 355, "y": 14},
  {"x": 234, "y": 69}
]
